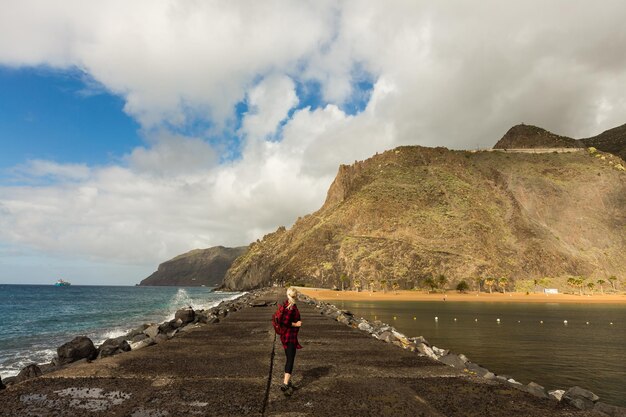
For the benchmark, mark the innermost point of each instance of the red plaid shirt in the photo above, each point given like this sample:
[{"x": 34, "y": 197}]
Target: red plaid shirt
[{"x": 290, "y": 335}]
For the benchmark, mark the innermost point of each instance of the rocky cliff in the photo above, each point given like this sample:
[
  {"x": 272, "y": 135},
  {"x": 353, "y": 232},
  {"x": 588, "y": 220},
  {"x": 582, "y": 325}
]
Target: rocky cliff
[
  {"x": 413, "y": 213},
  {"x": 195, "y": 268},
  {"x": 526, "y": 136}
]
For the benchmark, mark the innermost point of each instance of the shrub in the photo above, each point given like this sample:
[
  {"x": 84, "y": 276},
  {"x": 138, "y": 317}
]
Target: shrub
[{"x": 462, "y": 286}]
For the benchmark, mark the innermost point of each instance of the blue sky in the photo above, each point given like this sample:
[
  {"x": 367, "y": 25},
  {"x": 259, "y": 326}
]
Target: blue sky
[{"x": 56, "y": 115}]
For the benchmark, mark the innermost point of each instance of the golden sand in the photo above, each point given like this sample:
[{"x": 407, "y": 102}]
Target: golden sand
[{"x": 327, "y": 295}]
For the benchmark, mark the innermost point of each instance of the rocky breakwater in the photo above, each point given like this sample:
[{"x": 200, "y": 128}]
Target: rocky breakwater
[
  {"x": 575, "y": 396},
  {"x": 81, "y": 349}
]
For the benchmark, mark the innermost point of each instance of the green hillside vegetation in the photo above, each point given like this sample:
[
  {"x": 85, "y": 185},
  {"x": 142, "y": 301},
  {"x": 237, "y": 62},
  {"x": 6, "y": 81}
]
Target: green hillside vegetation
[{"x": 413, "y": 213}]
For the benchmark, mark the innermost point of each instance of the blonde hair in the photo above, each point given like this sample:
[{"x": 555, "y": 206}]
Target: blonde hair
[{"x": 292, "y": 295}]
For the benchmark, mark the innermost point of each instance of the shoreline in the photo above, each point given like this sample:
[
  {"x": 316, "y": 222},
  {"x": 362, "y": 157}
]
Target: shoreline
[{"x": 324, "y": 294}]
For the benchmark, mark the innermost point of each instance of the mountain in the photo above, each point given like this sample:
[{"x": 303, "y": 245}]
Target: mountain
[
  {"x": 413, "y": 212},
  {"x": 527, "y": 136},
  {"x": 195, "y": 268},
  {"x": 612, "y": 140}
]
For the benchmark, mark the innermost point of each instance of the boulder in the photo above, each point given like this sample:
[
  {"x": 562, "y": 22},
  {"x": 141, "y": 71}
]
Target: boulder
[
  {"x": 387, "y": 336},
  {"x": 343, "y": 319},
  {"x": 556, "y": 394},
  {"x": 580, "y": 398},
  {"x": 160, "y": 338},
  {"x": 440, "y": 352},
  {"x": 453, "y": 360},
  {"x": 366, "y": 327},
  {"x": 142, "y": 344},
  {"x": 139, "y": 338},
  {"x": 419, "y": 339},
  {"x": 609, "y": 410},
  {"x": 112, "y": 347},
  {"x": 176, "y": 323},
  {"x": 138, "y": 330},
  {"x": 152, "y": 331},
  {"x": 1, "y": 384},
  {"x": 536, "y": 390},
  {"x": 28, "y": 372},
  {"x": 185, "y": 314},
  {"x": 10, "y": 380},
  {"x": 478, "y": 370},
  {"x": 166, "y": 327},
  {"x": 258, "y": 303},
  {"x": 80, "y": 347},
  {"x": 424, "y": 349},
  {"x": 213, "y": 319}
]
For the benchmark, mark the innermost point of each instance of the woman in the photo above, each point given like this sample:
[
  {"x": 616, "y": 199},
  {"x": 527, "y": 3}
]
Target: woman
[{"x": 291, "y": 322}]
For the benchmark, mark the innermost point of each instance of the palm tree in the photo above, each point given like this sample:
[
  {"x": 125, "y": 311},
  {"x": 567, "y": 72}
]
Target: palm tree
[
  {"x": 395, "y": 287},
  {"x": 591, "y": 286},
  {"x": 383, "y": 284},
  {"x": 441, "y": 282},
  {"x": 612, "y": 279},
  {"x": 489, "y": 283},
  {"x": 571, "y": 282},
  {"x": 344, "y": 279},
  {"x": 580, "y": 283},
  {"x": 431, "y": 283},
  {"x": 601, "y": 282},
  {"x": 477, "y": 281},
  {"x": 502, "y": 282}
]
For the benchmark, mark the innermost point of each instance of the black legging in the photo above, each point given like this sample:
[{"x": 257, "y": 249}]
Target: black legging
[{"x": 290, "y": 352}]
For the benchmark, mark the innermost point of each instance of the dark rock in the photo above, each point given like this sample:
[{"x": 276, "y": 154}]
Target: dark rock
[
  {"x": 536, "y": 390},
  {"x": 477, "y": 369},
  {"x": 9, "y": 380},
  {"x": 258, "y": 303},
  {"x": 176, "y": 323},
  {"x": 453, "y": 360},
  {"x": 609, "y": 410},
  {"x": 112, "y": 347},
  {"x": 185, "y": 314},
  {"x": 580, "y": 398},
  {"x": 30, "y": 371},
  {"x": 347, "y": 312},
  {"x": 139, "y": 338},
  {"x": 80, "y": 347},
  {"x": 47, "y": 367},
  {"x": 213, "y": 319},
  {"x": 343, "y": 319},
  {"x": 1, "y": 384},
  {"x": 166, "y": 327},
  {"x": 138, "y": 330},
  {"x": 160, "y": 338}
]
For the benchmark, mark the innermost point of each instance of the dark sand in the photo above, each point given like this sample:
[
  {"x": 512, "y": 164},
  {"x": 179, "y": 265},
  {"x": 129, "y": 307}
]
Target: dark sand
[{"x": 222, "y": 370}]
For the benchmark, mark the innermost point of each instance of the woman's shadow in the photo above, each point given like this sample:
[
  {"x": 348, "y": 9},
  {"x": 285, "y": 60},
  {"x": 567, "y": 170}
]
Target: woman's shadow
[{"x": 311, "y": 375}]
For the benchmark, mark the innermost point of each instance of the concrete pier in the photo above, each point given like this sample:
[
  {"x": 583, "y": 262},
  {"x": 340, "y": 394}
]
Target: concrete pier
[{"x": 235, "y": 368}]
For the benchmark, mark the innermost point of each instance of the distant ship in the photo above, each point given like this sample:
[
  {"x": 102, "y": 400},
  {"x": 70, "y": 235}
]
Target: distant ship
[{"x": 61, "y": 283}]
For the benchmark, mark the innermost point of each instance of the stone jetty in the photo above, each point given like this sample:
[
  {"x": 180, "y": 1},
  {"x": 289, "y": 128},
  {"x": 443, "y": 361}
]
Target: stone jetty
[{"x": 232, "y": 366}]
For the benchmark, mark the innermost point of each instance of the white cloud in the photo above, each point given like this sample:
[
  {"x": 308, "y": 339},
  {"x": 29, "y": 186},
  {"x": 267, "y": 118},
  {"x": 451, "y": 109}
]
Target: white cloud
[{"x": 445, "y": 73}]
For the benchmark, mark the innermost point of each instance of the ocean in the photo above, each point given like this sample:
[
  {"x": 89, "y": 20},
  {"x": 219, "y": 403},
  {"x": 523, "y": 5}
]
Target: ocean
[
  {"x": 531, "y": 342},
  {"x": 36, "y": 319}
]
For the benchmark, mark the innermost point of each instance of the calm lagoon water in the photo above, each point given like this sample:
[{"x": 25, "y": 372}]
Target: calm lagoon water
[
  {"x": 36, "y": 319},
  {"x": 552, "y": 354}
]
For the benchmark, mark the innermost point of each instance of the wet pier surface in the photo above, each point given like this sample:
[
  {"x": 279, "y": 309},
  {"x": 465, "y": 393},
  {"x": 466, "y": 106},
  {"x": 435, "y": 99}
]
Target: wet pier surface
[{"x": 235, "y": 368}]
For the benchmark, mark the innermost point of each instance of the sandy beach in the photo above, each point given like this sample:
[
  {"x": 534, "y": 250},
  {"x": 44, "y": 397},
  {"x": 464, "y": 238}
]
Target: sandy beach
[{"x": 327, "y": 295}]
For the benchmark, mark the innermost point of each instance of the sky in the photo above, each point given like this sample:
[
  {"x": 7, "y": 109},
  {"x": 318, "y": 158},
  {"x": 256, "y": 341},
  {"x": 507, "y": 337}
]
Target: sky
[{"x": 131, "y": 132}]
